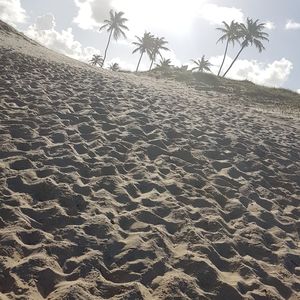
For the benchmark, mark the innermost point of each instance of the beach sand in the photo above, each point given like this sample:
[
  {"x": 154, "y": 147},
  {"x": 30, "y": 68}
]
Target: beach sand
[{"x": 117, "y": 186}]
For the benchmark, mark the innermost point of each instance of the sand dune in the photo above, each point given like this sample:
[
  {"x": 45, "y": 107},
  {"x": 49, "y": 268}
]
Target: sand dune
[{"x": 115, "y": 186}]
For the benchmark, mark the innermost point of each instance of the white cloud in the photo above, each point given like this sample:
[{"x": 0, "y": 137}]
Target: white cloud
[
  {"x": 140, "y": 13},
  {"x": 155, "y": 15},
  {"x": 270, "y": 25},
  {"x": 45, "y": 22},
  {"x": 12, "y": 12},
  {"x": 290, "y": 24},
  {"x": 64, "y": 42},
  {"x": 91, "y": 13},
  {"x": 273, "y": 74},
  {"x": 217, "y": 14},
  {"x": 172, "y": 56},
  {"x": 123, "y": 64},
  {"x": 298, "y": 91}
]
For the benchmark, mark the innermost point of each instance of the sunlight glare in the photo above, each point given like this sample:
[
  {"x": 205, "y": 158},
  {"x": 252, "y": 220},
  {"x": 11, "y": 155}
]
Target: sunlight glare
[{"x": 168, "y": 15}]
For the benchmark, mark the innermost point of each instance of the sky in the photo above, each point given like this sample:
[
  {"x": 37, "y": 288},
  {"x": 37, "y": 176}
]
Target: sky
[{"x": 72, "y": 28}]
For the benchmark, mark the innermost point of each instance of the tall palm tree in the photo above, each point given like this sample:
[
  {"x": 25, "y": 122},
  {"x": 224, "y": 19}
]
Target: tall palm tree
[
  {"x": 158, "y": 45},
  {"x": 144, "y": 44},
  {"x": 96, "y": 60},
  {"x": 252, "y": 34},
  {"x": 114, "y": 67},
  {"x": 201, "y": 64},
  {"x": 164, "y": 64},
  {"x": 230, "y": 34},
  {"x": 115, "y": 26}
]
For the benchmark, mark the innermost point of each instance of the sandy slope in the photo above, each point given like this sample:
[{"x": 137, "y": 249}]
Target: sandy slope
[{"x": 119, "y": 187}]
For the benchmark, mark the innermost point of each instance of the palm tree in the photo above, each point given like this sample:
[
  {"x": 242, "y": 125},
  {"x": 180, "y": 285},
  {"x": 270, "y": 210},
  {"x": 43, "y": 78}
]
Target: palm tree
[
  {"x": 201, "y": 64},
  {"x": 164, "y": 64},
  {"x": 96, "y": 60},
  {"x": 182, "y": 68},
  {"x": 158, "y": 45},
  {"x": 252, "y": 34},
  {"x": 115, "y": 26},
  {"x": 114, "y": 67},
  {"x": 230, "y": 34},
  {"x": 144, "y": 44}
]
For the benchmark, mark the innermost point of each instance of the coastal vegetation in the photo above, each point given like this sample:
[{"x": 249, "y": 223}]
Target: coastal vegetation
[
  {"x": 250, "y": 33},
  {"x": 201, "y": 64},
  {"x": 96, "y": 60},
  {"x": 114, "y": 67},
  {"x": 116, "y": 27},
  {"x": 144, "y": 45}
]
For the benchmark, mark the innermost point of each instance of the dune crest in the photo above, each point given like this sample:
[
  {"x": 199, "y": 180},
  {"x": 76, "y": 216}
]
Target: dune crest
[{"x": 115, "y": 186}]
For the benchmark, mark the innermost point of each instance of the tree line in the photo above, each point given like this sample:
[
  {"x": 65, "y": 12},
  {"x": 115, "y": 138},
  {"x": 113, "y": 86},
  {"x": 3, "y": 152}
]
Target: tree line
[{"x": 245, "y": 34}]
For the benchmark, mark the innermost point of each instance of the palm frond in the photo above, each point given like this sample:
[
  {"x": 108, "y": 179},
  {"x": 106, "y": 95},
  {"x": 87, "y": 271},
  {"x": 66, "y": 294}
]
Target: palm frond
[
  {"x": 136, "y": 50},
  {"x": 222, "y": 38},
  {"x": 252, "y": 34},
  {"x": 201, "y": 64},
  {"x": 103, "y": 26},
  {"x": 115, "y": 24}
]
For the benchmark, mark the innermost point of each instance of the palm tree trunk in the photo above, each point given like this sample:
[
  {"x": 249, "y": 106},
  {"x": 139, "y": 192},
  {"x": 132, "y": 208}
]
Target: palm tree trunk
[
  {"x": 152, "y": 61},
  {"x": 225, "y": 53},
  {"x": 105, "y": 52},
  {"x": 137, "y": 67},
  {"x": 234, "y": 60}
]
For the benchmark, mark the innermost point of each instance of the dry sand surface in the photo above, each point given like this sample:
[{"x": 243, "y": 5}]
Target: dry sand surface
[{"x": 115, "y": 186}]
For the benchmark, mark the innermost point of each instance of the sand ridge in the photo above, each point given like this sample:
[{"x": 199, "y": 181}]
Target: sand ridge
[{"x": 120, "y": 187}]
